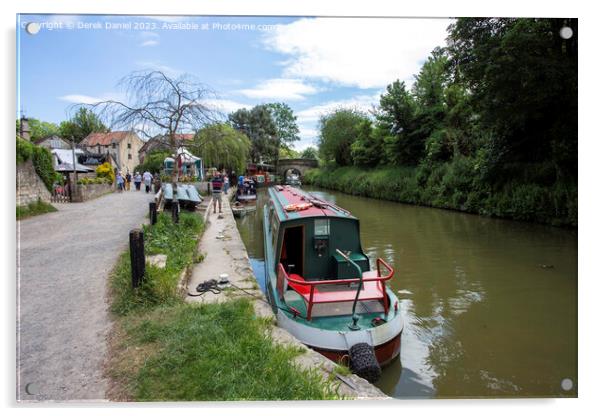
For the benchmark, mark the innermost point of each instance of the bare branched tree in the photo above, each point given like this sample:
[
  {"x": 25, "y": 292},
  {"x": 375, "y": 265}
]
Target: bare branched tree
[{"x": 160, "y": 107}]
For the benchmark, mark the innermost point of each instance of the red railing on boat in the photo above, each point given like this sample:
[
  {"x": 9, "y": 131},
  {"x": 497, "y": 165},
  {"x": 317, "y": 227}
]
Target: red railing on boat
[{"x": 373, "y": 281}]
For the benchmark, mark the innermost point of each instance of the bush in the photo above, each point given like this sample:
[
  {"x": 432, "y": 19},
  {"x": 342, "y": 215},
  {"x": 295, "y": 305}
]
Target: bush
[
  {"x": 24, "y": 150},
  {"x": 106, "y": 171},
  {"x": 456, "y": 185}
]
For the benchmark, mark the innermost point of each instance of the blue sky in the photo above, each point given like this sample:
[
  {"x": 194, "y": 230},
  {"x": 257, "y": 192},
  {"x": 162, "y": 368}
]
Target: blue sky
[{"x": 312, "y": 64}]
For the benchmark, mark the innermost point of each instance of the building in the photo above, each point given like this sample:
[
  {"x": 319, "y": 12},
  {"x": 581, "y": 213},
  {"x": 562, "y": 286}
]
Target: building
[
  {"x": 161, "y": 142},
  {"x": 53, "y": 142},
  {"x": 122, "y": 146}
]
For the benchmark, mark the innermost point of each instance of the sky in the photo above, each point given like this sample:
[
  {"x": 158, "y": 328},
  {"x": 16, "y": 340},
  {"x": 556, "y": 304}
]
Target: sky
[{"x": 312, "y": 64}]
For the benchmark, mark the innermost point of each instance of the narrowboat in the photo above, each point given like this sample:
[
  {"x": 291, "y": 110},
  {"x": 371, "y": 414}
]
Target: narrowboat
[{"x": 321, "y": 286}]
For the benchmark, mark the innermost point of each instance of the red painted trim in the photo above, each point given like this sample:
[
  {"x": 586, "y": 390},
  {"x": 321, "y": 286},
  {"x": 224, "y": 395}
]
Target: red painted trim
[{"x": 385, "y": 353}]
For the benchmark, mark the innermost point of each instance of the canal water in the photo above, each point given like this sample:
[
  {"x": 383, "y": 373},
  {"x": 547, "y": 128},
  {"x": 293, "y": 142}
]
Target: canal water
[{"x": 490, "y": 306}]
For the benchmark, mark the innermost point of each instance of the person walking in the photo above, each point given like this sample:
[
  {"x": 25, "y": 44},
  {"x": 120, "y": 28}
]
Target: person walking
[
  {"x": 137, "y": 180},
  {"x": 226, "y": 184},
  {"x": 119, "y": 180},
  {"x": 217, "y": 184},
  {"x": 128, "y": 180},
  {"x": 148, "y": 179}
]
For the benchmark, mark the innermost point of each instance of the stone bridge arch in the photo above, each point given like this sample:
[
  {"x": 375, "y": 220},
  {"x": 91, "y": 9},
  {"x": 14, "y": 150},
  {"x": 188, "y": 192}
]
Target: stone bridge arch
[{"x": 298, "y": 166}]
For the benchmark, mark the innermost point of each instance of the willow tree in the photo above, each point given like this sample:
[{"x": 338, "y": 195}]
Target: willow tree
[
  {"x": 221, "y": 146},
  {"x": 161, "y": 107}
]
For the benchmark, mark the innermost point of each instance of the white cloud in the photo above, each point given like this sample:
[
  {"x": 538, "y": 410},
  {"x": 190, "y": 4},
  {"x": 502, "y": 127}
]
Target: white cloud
[
  {"x": 158, "y": 66},
  {"x": 360, "y": 52},
  {"x": 226, "y": 106},
  {"x": 361, "y": 102},
  {"x": 88, "y": 99},
  {"x": 280, "y": 89},
  {"x": 149, "y": 43}
]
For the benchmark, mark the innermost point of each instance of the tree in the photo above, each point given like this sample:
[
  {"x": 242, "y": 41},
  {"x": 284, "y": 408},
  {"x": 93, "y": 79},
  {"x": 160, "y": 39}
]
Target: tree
[
  {"x": 222, "y": 146},
  {"x": 39, "y": 129},
  {"x": 83, "y": 122},
  {"x": 286, "y": 124},
  {"x": 309, "y": 153},
  {"x": 159, "y": 104},
  {"x": 396, "y": 118},
  {"x": 523, "y": 79},
  {"x": 153, "y": 162},
  {"x": 367, "y": 149},
  {"x": 338, "y": 130},
  {"x": 259, "y": 126}
]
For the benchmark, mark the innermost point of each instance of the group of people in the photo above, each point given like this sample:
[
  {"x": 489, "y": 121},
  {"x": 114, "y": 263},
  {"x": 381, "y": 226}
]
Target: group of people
[
  {"x": 124, "y": 182},
  {"x": 246, "y": 185}
]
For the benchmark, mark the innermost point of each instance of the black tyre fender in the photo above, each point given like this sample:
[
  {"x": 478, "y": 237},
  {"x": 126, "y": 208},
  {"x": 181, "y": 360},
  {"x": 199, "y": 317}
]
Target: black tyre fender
[{"x": 363, "y": 362}]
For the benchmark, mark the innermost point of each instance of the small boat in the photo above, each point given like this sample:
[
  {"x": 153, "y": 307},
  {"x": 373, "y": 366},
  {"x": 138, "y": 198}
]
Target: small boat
[
  {"x": 246, "y": 193},
  {"x": 320, "y": 284},
  {"x": 187, "y": 195},
  {"x": 293, "y": 180},
  {"x": 240, "y": 209}
]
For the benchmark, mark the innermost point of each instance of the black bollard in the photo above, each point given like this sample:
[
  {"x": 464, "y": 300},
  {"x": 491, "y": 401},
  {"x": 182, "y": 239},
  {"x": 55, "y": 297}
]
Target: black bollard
[
  {"x": 175, "y": 212},
  {"x": 137, "y": 256},
  {"x": 152, "y": 212}
]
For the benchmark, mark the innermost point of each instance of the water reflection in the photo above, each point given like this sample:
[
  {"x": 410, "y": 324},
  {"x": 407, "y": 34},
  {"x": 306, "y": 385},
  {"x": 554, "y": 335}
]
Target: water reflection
[{"x": 490, "y": 306}]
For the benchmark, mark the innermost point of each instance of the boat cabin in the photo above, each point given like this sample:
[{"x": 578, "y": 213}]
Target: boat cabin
[{"x": 305, "y": 238}]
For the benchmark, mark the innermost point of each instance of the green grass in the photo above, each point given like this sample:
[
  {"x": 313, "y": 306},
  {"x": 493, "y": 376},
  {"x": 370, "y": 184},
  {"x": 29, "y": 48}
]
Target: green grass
[
  {"x": 178, "y": 242},
  {"x": 163, "y": 349},
  {"x": 34, "y": 208},
  {"x": 210, "y": 352}
]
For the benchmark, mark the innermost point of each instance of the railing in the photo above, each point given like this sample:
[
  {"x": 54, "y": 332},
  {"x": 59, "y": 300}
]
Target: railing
[{"x": 313, "y": 285}]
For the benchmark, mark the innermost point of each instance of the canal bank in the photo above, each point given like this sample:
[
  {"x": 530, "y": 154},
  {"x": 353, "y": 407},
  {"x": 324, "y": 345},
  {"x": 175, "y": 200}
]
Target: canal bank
[
  {"x": 452, "y": 187},
  {"x": 489, "y": 305},
  {"x": 224, "y": 253}
]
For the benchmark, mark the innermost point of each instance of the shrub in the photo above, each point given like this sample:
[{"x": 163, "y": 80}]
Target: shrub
[
  {"x": 106, "y": 171},
  {"x": 24, "y": 150}
]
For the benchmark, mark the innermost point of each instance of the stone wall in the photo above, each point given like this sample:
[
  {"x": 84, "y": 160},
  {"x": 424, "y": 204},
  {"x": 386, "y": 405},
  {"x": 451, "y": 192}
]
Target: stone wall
[
  {"x": 30, "y": 187},
  {"x": 91, "y": 191}
]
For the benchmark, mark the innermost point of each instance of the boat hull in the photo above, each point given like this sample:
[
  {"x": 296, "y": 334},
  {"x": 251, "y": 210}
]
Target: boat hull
[
  {"x": 335, "y": 345},
  {"x": 385, "y": 353}
]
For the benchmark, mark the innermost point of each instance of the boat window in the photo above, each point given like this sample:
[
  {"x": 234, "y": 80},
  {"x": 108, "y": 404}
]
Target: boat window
[{"x": 321, "y": 227}]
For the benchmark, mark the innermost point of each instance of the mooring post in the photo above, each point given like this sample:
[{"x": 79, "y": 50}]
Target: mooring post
[
  {"x": 152, "y": 208},
  {"x": 175, "y": 212},
  {"x": 137, "y": 259}
]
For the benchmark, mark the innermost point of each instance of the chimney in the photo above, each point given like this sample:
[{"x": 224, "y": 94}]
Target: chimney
[{"x": 24, "y": 131}]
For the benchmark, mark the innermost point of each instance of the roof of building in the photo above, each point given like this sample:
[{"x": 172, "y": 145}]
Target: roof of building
[
  {"x": 105, "y": 139},
  {"x": 52, "y": 136},
  {"x": 287, "y": 198}
]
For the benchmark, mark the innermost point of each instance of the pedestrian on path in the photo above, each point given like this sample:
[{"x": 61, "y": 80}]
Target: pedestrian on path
[
  {"x": 226, "y": 184},
  {"x": 137, "y": 180},
  {"x": 148, "y": 178},
  {"x": 128, "y": 180},
  {"x": 216, "y": 188},
  {"x": 119, "y": 182}
]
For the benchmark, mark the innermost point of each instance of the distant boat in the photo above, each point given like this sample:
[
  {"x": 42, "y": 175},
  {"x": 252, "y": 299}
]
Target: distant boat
[
  {"x": 293, "y": 180},
  {"x": 320, "y": 284},
  {"x": 188, "y": 196}
]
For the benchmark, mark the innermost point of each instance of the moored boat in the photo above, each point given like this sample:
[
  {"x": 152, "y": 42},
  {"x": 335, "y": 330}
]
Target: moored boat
[
  {"x": 321, "y": 286},
  {"x": 293, "y": 180},
  {"x": 187, "y": 195}
]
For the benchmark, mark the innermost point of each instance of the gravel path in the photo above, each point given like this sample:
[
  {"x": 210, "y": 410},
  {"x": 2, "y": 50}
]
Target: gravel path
[{"x": 62, "y": 311}]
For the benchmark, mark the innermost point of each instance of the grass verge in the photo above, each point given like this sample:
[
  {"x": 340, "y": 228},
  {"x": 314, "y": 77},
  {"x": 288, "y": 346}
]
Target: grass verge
[
  {"x": 34, "y": 208},
  {"x": 163, "y": 349},
  {"x": 210, "y": 352}
]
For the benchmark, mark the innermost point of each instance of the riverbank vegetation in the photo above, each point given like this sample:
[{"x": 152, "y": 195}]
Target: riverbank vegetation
[
  {"x": 489, "y": 126},
  {"x": 164, "y": 349}
]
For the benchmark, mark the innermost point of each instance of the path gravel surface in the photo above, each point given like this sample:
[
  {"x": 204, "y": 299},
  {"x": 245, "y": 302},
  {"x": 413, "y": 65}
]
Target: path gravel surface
[{"x": 63, "y": 261}]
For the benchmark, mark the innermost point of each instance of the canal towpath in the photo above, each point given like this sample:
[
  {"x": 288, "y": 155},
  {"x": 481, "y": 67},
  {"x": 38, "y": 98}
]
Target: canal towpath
[{"x": 225, "y": 253}]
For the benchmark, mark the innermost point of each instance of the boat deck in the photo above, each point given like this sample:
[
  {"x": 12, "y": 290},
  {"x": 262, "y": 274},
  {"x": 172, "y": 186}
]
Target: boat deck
[{"x": 336, "y": 315}]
